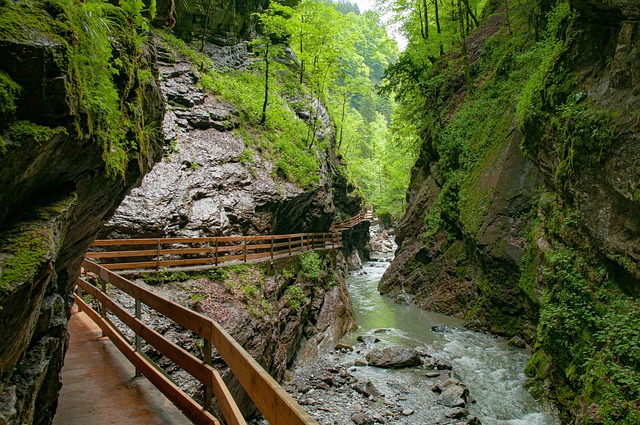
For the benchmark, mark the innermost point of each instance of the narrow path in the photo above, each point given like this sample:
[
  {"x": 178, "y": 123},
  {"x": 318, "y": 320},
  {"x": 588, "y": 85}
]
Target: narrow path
[{"x": 99, "y": 387}]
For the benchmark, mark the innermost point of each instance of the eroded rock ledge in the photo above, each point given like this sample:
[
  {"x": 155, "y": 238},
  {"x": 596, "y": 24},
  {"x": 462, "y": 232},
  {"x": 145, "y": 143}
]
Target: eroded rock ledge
[{"x": 56, "y": 193}]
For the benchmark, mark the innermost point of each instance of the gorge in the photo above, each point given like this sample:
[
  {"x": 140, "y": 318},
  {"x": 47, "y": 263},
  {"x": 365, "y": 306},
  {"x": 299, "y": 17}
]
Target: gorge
[{"x": 512, "y": 128}]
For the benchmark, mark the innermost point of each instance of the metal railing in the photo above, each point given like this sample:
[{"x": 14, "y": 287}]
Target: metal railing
[{"x": 275, "y": 404}]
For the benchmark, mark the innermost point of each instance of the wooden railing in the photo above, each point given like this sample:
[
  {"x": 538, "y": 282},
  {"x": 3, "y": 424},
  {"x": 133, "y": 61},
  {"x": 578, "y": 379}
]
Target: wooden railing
[
  {"x": 278, "y": 407},
  {"x": 155, "y": 253},
  {"x": 366, "y": 215}
]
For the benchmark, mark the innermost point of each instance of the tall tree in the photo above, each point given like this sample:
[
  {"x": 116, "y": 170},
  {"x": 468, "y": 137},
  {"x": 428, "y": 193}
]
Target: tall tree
[{"x": 274, "y": 28}]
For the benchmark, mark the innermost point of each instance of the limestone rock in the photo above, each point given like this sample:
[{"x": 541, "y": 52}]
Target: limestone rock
[
  {"x": 454, "y": 396},
  {"x": 394, "y": 357},
  {"x": 64, "y": 195}
]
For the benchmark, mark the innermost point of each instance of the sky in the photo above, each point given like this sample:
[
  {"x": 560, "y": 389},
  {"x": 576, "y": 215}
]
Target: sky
[{"x": 364, "y": 5}]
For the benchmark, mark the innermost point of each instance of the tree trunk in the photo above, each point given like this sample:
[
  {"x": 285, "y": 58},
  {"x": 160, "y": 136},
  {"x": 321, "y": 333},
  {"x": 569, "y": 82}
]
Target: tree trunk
[
  {"x": 425, "y": 11},
  {"x": 506, "y": 4},
  {"x": 206, "y": 26},
  {"x": 438, "y": 28},
  {"x": 463, "y": 48},
  {"x": 301, "y": 52},
  {"x": 344, "y": 104},
  {"x": 470, "y": 13},
  {"x": 263, "y": 120}
]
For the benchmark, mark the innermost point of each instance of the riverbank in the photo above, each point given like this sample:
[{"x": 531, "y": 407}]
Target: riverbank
[{"x": 338, "y": 387}]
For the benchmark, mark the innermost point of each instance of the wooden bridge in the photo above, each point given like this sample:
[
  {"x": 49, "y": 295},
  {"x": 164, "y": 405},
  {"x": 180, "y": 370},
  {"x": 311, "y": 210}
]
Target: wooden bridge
[{"x": 275, "y": 404}]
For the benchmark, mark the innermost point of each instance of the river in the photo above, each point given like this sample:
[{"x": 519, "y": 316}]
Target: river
[{"x": 492, "y": 370}]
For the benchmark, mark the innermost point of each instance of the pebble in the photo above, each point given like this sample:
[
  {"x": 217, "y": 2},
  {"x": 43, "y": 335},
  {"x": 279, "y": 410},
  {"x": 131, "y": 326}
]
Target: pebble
[
  {"x": 361, "y": 362},
  {"x": 408, "y": 412},
  {"x": 359, "y": 418},
  {"x": 389, "y": 403},
  {"x": 358, "y": 407},
  {"x": 432, "y": 374},
  {"x": 457, "y": 413}
]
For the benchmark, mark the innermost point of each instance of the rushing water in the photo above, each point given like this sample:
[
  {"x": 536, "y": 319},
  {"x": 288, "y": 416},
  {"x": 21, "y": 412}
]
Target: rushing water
[{"x": 493, "y": 371}]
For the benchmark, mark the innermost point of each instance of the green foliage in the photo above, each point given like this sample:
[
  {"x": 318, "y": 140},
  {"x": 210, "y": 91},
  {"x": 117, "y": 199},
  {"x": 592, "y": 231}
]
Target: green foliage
[
  {"x": 197, "y": 297},
  {"x": 246, "y": 157},
  {"x": 135, "y": 9},
  {"x": 25, "y": 131},
  {"x": 295, "y": 298},
  {"x": 553, "y": 113},
  {"x": 25, "y": 250},
  {"x": 101, "y": 51},
  {"x": 590, "y": 332},
  {"x": 583, "y": 134},
  {"x": 282, "y": 137},
  {"x": 9, "y": 92},
  {"x": 310, "y": 264}
]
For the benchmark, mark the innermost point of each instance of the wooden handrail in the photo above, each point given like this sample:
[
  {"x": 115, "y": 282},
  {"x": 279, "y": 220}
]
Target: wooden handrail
[
  {"x": 366, "y": 215},
  {"x": 276, "y": 405},
  {"x": 213, "y": 251}
]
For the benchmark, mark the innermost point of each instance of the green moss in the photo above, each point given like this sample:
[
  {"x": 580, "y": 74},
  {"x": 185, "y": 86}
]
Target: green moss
[
  {"x": 538, "y": 366},
  {"x": 26, "y": 131},
  {"x": 9, "y": 91},
  {"x": 28, "y": 246},
  {"x": 98, "y": 46}
]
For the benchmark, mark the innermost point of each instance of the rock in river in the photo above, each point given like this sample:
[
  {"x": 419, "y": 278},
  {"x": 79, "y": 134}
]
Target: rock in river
[{"x": 394, "y": 357}]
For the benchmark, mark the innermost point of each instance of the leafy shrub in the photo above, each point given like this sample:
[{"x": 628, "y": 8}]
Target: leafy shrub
[
  {"x": 310, "y": 265},
  {"x": 294, "y": 298}
]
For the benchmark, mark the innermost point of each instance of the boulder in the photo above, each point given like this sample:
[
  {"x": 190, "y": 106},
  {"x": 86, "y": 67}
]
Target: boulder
[
  {"x": 454, "y": 396},
  {"x": 394, "y": 357}
]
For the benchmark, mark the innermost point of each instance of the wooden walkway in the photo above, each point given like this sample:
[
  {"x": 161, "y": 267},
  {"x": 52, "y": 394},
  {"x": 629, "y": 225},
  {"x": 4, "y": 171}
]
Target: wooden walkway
[
  {"x": 98, "y": 381},
  {"x": 98, "y": 384}
]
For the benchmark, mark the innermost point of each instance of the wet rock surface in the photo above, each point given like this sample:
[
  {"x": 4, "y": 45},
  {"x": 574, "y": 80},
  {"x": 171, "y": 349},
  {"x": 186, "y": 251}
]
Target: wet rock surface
[
  {"x": 55, "y": 196},
  {"x": 394, "y": 357},
  {"x": 210, "y": 182},
  {"x": 336, "y": 389}
]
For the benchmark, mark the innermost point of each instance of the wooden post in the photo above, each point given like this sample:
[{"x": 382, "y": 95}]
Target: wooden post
[
  {"x": 138, "y": 314},
  {"x": 272, "y": 247},
  {"x": 103, "y": 309},
  {"x": 208, "y": 392},
  {"x": 245, "y": 249},
  {"x": 302, "y": 243},
  {"x": 216, "y": 253},
  {"x": 289, "y": 245},
  {"x": 158, "y": 256}
]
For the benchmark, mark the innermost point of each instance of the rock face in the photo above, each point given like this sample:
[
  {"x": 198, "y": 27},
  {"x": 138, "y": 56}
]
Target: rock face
[
  {"x": 211, "y": 183},
  {"x": 446, "y": 278},
  {"x": 538, "y": 215},
  {"x": 55, "y": 196},
  {"x": 226, "y": 20}
]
